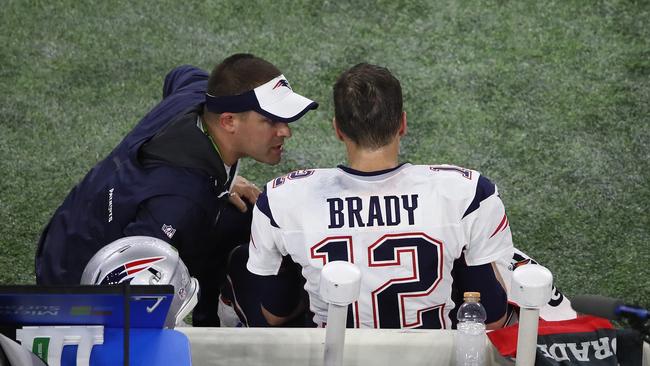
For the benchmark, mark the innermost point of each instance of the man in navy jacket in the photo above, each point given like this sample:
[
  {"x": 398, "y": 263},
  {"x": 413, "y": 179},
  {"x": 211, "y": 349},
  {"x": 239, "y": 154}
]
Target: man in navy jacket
[{"x": 173, "y": 174}]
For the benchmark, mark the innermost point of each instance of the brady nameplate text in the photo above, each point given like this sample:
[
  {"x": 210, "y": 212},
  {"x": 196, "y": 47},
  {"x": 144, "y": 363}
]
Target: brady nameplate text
[{"x": 375, "y": 211}]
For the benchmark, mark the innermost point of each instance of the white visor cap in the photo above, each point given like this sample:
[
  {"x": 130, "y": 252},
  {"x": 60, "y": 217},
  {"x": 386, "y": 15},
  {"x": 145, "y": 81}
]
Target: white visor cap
[
  {"x": 278, "y": 99},
  {"x": 274, "y": 99}
]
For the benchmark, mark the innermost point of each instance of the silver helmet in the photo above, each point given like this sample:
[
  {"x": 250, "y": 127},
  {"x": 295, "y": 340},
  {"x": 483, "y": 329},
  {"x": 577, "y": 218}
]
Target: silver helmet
[{"x": 144, "y": 260}]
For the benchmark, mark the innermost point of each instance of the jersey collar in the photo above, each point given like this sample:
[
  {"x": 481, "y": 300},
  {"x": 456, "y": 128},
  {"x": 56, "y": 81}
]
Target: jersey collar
[{"x": 369, "y": 174}]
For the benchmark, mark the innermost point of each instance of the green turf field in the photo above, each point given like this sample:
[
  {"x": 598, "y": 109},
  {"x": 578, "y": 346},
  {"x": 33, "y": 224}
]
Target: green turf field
[{"x": 549, "y": 99}]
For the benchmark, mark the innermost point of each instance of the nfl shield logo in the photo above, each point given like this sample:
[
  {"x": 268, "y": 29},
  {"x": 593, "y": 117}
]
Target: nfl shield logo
[{"x": 168, "y": 230}]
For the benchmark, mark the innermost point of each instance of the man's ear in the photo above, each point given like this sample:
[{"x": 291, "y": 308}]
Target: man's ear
[
  {"x": 403, "y": 127},
  {"x": 338, "y": 132},
  {"x": 227, "y": 121}
]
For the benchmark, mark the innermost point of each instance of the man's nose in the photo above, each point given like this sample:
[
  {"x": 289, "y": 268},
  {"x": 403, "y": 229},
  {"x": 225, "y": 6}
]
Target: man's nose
[{"x": 284, "y": 130}]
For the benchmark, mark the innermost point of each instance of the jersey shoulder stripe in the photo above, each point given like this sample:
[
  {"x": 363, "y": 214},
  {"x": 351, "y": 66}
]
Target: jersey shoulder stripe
[
  {"x": 484, "y": 189},
  {"x": 263, "y": 205}
]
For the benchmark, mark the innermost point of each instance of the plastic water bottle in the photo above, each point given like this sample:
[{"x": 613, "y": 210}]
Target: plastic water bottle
[{"x": 470, "y": 339}]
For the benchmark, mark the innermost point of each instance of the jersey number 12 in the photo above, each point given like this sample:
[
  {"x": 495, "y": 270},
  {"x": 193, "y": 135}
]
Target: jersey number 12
[{"x": 393, "y": 303}]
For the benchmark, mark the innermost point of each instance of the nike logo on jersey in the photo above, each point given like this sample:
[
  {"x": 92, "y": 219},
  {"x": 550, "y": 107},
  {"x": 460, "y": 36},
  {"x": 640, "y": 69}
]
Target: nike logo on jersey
[{"x": 375, "y": 211}]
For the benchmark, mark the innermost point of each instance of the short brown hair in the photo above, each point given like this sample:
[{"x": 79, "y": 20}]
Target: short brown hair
[
  {"x": 240, "y": 73},
  {"x": 368, "y": 105}
]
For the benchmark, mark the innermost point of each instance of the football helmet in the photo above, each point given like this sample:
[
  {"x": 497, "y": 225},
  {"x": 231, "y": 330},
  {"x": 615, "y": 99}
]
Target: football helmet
[{"x": 144, "y": 260}]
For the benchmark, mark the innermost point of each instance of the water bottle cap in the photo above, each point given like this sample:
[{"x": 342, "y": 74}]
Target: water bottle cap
[{"x": 472, "y": 296}]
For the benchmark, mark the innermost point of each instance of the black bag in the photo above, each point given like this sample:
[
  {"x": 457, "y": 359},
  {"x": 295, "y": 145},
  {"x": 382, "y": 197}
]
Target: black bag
[{"x": 586, "y": 340}]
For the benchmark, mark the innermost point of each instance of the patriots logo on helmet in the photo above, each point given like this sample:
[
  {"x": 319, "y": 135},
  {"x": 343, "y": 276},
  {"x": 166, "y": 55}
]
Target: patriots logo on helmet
[
  {"x": 127, "y": 271},
  {"x": 280, "y": 83}
]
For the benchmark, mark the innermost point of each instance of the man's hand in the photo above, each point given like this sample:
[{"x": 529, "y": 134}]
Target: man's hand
[{"x": 242, "y": 190}]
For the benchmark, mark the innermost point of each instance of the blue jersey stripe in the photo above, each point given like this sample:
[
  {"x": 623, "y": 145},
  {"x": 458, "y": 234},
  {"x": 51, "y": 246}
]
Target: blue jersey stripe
[
  {"x": 263, "y": 206},
  {"x": 484, "y": 189}
]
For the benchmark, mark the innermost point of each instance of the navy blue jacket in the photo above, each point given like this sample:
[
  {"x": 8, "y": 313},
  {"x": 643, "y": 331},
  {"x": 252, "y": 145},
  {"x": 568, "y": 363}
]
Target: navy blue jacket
[{"x": 165, "y": 179}]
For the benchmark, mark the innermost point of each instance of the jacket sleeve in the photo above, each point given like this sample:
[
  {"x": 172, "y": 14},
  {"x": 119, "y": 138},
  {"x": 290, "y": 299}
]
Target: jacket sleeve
[
  {"x": 178, "y": 221},
  {"x": 181, "y": 77}
]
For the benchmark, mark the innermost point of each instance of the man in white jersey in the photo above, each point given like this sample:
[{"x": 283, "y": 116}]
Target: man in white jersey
[{"x": 404, "y": 225}]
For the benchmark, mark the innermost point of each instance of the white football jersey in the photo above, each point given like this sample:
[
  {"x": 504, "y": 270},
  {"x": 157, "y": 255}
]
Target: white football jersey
[{"x": 402, "y": 227}]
